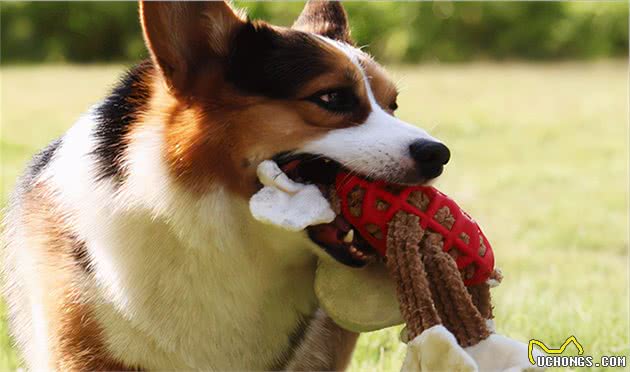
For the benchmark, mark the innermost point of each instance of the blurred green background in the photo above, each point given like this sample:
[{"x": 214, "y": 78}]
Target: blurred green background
[
  {"x": 393, "y": 31},
  {"x": 531, "y": 97}
]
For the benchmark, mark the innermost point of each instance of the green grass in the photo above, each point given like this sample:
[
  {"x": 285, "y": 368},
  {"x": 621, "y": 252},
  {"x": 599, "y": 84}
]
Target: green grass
[{"x": 540, "y": 158}]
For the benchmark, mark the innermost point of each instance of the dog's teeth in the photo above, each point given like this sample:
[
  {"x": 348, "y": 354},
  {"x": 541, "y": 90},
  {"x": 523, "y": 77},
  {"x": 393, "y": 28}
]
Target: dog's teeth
[
  {"x": 356, "y": 253},
  {"x": 349, "y": 237}
]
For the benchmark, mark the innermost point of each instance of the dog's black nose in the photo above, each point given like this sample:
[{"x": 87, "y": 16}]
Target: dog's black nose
[{"x": 430, "y": 157}]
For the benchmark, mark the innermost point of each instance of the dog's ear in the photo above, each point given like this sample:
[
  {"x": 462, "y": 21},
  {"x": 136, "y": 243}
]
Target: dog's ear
[
  {"x": 182, "y": 36},
  {"x": 326, "y": 18}
]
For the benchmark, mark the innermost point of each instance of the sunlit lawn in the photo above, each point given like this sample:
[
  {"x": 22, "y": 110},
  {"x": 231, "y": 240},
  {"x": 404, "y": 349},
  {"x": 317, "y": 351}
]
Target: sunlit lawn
[{"x": 540, "y": 158}]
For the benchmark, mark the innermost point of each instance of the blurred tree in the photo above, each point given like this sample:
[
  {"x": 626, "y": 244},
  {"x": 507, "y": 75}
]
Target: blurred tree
[{"x": 393, "y": 31}]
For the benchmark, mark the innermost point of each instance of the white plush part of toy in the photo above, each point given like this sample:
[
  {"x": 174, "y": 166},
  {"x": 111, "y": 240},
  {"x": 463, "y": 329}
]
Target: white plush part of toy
[
  {"x": 288, "y": 204},
  {"x": 491, "y": 326},
  {"x": 436, "y": 349},
  {"x": 493, "y": 282},
  {"x": 501, "y": 353}
]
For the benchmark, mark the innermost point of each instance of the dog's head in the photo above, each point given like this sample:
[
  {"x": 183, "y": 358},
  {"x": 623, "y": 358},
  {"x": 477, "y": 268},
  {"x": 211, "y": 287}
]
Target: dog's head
[
  {"x": 246, "y": 91},
  {"x": 249, "y": 91}
]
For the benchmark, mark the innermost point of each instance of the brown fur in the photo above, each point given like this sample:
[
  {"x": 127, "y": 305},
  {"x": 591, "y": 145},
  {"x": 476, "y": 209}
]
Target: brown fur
[
  {"x": 224, "y": 146},
  {"x": 74, "y": 333},
  {"x": 385, "y": 91}
]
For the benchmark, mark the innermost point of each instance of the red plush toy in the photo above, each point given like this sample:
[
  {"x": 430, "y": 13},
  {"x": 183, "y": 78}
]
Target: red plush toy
[
  {"x": 436, "y": 254},
  {"x": 378, "y": 194}
]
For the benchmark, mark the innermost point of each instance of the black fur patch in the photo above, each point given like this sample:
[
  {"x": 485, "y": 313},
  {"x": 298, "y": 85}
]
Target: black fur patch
[
  {"x": 80, "y": 255},
  {"x": 115, "y": 118},
  {"x": 295, "y": 339},
  {"x": 266, "y": 62},
  {"x": 37, "y": 165}
]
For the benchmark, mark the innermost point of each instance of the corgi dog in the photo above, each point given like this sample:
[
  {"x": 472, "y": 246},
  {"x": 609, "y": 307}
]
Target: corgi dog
[{"x": 128, "y": 242}]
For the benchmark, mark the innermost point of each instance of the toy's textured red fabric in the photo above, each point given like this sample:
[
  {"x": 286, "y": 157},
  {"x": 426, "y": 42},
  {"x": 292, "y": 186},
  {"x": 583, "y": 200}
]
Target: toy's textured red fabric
[{"x": 370, "y": 215}]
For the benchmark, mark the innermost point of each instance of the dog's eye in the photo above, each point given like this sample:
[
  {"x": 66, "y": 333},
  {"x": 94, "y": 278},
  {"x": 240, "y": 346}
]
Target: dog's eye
[{"x": 338, "y": 100}]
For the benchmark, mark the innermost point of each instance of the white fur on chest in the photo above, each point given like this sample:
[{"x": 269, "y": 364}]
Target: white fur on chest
[
  {"x": 181, "y": 282},
  {"x": 202, "y": 306}
]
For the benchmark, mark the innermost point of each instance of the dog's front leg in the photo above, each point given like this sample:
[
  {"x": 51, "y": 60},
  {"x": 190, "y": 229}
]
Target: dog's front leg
[{"x": 325, "y": 346}]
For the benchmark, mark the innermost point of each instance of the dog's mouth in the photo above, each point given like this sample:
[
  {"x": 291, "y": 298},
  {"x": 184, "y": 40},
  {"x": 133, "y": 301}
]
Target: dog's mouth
[{"x": 337, "y": 238}]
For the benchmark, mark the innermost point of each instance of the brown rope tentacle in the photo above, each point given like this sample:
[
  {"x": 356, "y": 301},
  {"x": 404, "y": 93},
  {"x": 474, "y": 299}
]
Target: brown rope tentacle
[
  {"x": 469, "y": 322},
  {"x": 407, "y": 295},
  {"x": 423, "y": 308},
  {"x": 400, "y": 275},
  {"x": 405, "y": 265},
  {"x": 439, "y": 287},
  {"x": 459, "y": 315},
  {"x": 480, "y": 294}
]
